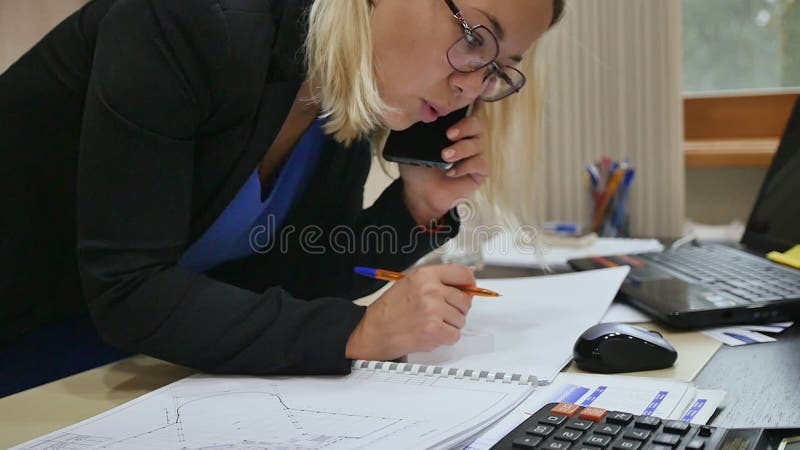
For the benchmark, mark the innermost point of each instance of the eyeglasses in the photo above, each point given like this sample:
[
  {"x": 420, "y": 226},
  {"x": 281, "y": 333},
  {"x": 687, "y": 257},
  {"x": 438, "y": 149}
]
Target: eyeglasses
[{"x": 477, "y": 50}]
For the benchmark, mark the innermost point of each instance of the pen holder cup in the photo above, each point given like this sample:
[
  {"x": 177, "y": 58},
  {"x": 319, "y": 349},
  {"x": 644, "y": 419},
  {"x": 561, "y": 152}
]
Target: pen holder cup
[{"x": 615, "y": 225}]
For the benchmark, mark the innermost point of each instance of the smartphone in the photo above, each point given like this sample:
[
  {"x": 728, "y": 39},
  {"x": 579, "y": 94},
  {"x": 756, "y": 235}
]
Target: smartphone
[{"x": 422, "y": 144}]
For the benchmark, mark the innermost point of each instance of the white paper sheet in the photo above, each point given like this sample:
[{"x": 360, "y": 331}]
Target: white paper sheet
[
  {"x": 702, "y": 407},
  {"x": 736, "y": 337},
  {"x": 534, "y": 325},
  {"x": 747, "y": 334},
  {"x": 367, "y": 409},
  {"x": 503, "y": 251},
  {"x": 625, "y": 313}
]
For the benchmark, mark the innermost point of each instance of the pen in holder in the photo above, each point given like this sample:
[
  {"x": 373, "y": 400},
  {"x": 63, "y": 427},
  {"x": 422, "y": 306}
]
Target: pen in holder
[{"x": 610, "y": 184}]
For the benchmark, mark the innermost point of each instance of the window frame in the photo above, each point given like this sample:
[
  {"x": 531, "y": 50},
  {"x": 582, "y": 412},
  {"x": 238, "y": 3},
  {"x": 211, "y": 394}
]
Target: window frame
[{"x": 735, "y": 129}]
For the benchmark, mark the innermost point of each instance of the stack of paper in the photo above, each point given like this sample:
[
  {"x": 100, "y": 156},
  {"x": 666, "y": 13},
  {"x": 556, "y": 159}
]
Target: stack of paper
[
  {"x": 503, "y": 250},
  {"x": 366, "y": 409}
]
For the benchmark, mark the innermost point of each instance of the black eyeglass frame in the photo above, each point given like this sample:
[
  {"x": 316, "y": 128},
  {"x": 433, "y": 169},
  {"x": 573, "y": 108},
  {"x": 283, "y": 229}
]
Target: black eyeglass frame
[{"x": 495, "y": 68}]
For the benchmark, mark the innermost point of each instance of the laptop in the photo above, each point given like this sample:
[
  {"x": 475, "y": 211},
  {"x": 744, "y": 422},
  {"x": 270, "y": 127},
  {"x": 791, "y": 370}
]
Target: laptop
[{"x": 704, "y": 284}]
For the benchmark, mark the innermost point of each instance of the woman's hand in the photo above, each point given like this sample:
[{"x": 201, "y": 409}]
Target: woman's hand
[
  {"x": 429, "y": 193},
  {"x": 418, "y": 313}
]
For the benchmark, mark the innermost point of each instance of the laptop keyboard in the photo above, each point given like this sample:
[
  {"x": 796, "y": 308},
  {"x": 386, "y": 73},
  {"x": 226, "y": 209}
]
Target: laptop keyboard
[{"x": 746, "y": 277}]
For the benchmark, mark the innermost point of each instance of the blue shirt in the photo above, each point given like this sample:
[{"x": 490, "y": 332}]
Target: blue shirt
[{"x": 249, "y": 221}]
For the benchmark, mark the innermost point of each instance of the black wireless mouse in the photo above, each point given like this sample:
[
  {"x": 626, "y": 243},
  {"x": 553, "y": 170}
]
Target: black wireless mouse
[{"x": 619, "y": 347}]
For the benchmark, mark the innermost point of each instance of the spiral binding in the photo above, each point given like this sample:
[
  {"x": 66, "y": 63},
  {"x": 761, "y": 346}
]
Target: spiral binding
[{"x": 425, "y": 370}]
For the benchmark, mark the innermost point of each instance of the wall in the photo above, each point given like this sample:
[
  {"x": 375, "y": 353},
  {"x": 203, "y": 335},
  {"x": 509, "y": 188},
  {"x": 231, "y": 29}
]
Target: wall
[
  {"x": 24, "y": 22},
  {"x": 614, "y": 73},
  {"x": 720, "y": 196}
]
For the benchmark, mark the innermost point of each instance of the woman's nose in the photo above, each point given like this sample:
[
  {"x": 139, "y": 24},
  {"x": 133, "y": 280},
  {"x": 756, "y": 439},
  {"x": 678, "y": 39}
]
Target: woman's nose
[{"x": 469, "y": 85}]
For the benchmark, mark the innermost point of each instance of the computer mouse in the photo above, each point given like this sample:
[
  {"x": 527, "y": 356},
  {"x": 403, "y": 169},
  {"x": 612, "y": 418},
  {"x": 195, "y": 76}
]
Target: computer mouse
[{"x": 620, "y": 347}]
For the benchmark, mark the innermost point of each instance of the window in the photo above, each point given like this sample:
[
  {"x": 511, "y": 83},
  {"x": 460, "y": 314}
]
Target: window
[{"x": 741, "y": 45}]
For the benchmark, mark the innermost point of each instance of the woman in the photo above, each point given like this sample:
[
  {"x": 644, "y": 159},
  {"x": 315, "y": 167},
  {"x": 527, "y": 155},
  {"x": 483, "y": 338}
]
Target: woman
[{"x": 170, "y": 130}]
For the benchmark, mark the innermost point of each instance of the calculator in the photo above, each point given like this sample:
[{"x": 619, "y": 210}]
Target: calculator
[{"x": 566, "y": 426}]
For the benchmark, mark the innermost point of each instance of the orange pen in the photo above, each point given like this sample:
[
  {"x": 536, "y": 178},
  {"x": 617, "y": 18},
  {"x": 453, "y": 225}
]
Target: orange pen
[{"x": 388, "y": 275}]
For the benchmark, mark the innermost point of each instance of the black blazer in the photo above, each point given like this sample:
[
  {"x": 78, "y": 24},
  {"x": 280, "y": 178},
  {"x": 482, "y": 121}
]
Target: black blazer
[{"x": 139, "y": 121}]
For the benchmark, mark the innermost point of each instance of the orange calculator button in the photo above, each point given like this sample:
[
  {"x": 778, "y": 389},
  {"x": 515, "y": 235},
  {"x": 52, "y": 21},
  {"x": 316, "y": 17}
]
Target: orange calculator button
[
  {"x": 593, "y": 414},
  {"x": 566, "y": 409}
]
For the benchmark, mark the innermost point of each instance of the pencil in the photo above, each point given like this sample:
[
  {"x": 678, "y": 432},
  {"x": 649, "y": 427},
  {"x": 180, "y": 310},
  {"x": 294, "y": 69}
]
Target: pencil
[{"x": 388, "y": 275}]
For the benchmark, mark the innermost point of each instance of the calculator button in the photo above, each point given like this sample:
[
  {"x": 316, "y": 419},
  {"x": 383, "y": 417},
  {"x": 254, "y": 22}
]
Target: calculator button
[
  {"x": 598, "y": 440},
  {"x": 676, "y": 426},
  {"x": 705, "y": 431},
  {"x": 566, "y": 409},
  {"x": 608, "y": 429},
  {"x": 658, "y": 447},
  {"x": 593, "y": 414},
  {"x": 619, "y": 418},
  {"x": 667, "y": 439},
  {"x": 638, "y": 435},
  {"x": 553, "y": 419},
  {"x": 696, "y": 444},
  {"x": 526, "y": 442},
  {"x": 555, "y": 445},
  {"x": 577, "y": 424},
  {"x": 627, "y": 445},
  {"x": 540, "y": 430},
  {"x": 647, "y": 422},
  {"x": 584, "y": 447},
  {"x": 568, "y": 435}
]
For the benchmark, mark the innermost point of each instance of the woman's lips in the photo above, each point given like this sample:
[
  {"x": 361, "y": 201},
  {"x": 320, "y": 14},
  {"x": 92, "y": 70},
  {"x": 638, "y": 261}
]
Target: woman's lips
[{"x": 427, "y": 112}]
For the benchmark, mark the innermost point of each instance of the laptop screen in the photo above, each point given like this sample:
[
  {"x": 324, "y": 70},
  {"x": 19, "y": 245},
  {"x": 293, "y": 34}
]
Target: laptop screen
[{"x": 775, "y": 220}]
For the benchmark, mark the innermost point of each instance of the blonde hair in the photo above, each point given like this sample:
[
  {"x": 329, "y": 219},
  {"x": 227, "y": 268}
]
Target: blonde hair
[
  {"x": 341, "y": 71},
  {"x": 512, "y": 144},
  {"x": 339, "y": 58}
]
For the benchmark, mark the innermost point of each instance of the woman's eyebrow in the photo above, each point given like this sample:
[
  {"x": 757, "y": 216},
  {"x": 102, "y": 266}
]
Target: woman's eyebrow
[{"x": 499, "y": 31}]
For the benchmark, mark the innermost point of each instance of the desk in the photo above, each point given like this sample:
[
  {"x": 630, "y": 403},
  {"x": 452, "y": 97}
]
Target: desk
[
  {"x": 763, "y": 382},
  {"x": 741, "y": 371}
]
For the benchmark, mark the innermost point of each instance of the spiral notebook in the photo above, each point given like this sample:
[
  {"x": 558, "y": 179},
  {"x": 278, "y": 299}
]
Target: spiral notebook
[{"x": 383, "y": 405}]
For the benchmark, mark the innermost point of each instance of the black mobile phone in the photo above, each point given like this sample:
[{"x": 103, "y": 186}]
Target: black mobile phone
[{"x": 422, "y": 144}]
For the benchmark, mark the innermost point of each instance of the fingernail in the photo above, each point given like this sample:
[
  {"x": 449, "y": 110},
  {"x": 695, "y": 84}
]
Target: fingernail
[
  {"x": 453, "y": 133},
  {"x": 449, "y": 153},
  {"x": 451, "y": 173}
]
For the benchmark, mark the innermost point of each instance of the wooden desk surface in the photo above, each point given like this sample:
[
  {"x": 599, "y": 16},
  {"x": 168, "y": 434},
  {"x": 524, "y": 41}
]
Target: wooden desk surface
[
  {"x": 47, "y": 408},
  {"x": 762, "y": 381},
  {"x": 35, "y": 412}
]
